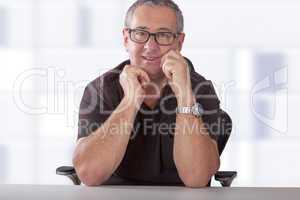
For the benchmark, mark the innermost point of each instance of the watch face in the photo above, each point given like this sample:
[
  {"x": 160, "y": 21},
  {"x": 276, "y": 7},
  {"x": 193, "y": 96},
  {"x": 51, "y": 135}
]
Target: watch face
[
  {"x": 198, "y": 109},
  {"x": 201, "y": 111}
]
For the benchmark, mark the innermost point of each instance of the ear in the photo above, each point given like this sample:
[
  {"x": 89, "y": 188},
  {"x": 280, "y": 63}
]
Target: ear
[
  {"x": 180, "y": 41},
  {"x": 125, "y": 38}
]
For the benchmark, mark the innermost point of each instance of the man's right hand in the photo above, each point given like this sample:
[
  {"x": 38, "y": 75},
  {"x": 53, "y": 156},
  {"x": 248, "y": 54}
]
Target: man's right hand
[{"x": 133, "y": 80}]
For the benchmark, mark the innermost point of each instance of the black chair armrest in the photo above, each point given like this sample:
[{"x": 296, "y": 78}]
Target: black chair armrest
[
  {"x": 70, "y": 172},
  {"x": 225, "y": 177}
]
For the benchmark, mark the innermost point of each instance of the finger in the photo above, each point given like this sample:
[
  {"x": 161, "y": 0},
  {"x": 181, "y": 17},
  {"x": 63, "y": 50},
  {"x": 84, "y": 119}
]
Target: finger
[
  {"x": 165, "y": 56},
  {"x": 176, "y": 54},
  {"x": 167, "y": 70},
  {"x": 142, "y": 75},
  {"x": 166, "y": 60},
  {"x": 138, "y": 72},
  {"x": 143, "y": 82},
  {"x": 172, "y": 55},
  {"x": 127, "y": 67}
]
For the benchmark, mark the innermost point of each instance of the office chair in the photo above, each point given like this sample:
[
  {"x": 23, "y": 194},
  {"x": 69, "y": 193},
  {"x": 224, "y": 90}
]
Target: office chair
[{"x": 224, "y": 177}]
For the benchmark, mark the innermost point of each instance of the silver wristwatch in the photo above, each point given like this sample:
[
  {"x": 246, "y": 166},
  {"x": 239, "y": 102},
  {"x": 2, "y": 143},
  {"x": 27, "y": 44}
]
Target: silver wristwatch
[{"x": 196, "y": 110}]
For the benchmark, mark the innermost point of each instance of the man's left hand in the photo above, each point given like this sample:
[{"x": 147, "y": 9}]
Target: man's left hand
[{"x": 177, "y": 72}]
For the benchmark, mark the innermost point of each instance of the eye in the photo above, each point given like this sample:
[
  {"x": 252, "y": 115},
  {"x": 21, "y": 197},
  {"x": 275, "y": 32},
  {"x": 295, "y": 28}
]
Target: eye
[
  {"x": 140, "y": 33},
  {"x": 166, "y": 35}
]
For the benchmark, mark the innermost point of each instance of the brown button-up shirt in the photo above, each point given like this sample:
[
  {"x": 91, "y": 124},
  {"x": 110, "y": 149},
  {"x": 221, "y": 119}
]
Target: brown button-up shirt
[{"x": 149, "y": 154}]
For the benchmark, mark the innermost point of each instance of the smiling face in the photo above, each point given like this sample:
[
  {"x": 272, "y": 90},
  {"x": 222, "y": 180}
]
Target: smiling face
[{"x": 148, "y": 55}]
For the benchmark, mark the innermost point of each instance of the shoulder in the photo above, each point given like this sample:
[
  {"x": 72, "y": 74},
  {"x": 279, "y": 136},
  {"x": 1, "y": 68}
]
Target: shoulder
[
  {"x": 106, "y": 85},
  {"x": 108, "y": 79},
  {"x": 204, "y": 90},
  {"x": 200, "y": 84}
]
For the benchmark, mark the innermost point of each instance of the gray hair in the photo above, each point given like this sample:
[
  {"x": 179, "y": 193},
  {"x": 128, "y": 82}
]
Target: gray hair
[{"x": 167, "y": 3}]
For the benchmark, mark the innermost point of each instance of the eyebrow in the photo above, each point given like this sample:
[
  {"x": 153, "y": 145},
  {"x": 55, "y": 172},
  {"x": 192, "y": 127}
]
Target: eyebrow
[{"x": 160, "y": 29}]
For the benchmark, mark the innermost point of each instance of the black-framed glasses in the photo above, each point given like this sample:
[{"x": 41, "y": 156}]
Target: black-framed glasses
[{"x": 162, "y": 38}]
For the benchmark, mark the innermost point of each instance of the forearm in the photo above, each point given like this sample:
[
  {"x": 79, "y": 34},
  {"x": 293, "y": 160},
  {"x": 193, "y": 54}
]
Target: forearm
[
  {"x": 97, "y": 156},
  {"x": 195, "y": 153}
]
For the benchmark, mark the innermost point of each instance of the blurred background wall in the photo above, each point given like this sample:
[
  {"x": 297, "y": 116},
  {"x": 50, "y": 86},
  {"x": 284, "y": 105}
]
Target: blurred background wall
[{"x": 50, "y": 49}]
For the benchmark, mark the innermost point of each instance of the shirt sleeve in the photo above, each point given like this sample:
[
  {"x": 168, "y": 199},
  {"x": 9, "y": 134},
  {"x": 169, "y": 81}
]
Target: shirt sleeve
[
  {"x": 207, "y": 97},
  {"x": 94, "y": 110}
]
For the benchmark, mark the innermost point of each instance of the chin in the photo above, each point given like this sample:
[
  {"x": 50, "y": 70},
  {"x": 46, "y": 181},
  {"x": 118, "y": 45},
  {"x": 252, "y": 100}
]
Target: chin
[{"x": 153, "y": 69}]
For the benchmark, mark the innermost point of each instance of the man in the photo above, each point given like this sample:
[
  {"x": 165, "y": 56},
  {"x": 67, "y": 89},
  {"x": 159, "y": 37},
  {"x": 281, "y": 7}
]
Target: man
[{"x": 148, "y": 119}]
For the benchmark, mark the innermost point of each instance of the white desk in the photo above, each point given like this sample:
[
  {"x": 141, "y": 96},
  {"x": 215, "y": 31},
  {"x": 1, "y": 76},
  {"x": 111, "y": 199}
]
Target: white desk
[{"x": 53, "y": 192}]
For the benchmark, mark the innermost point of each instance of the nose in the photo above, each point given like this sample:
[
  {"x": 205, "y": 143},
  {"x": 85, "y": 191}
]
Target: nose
[{"x": 151, "y": 43}]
